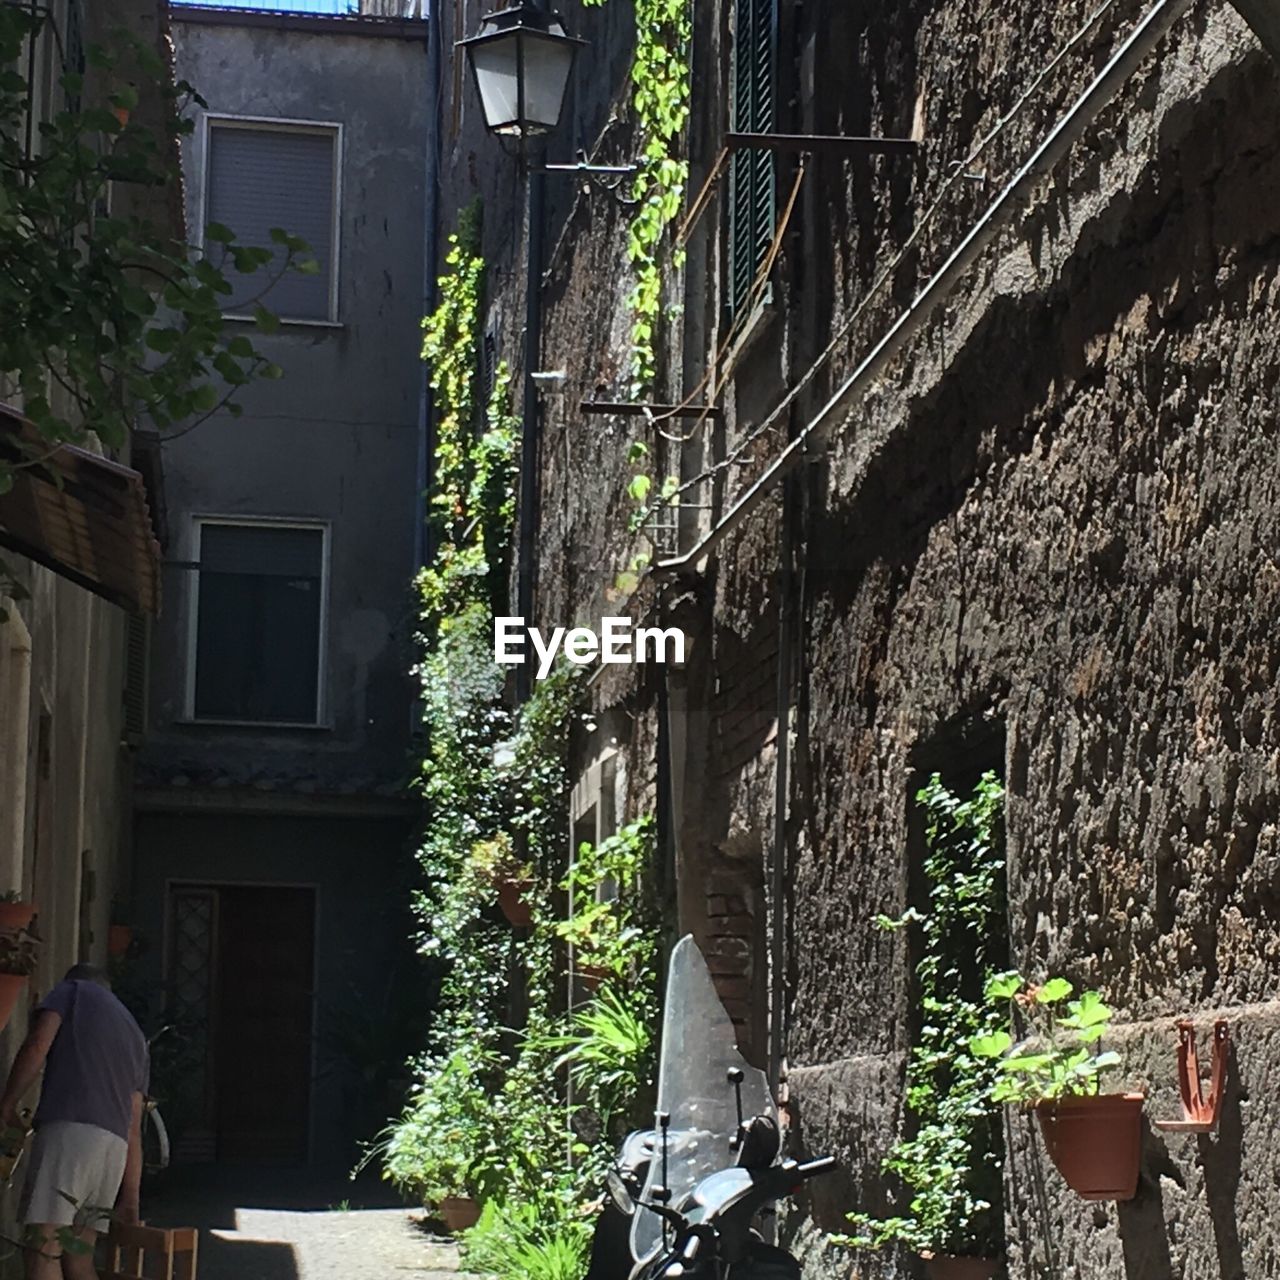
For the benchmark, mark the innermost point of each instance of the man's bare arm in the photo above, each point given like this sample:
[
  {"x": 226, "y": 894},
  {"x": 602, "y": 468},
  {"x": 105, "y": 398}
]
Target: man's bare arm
[
  {"x": 29, "y": 1063},
  {"x": 127, "y": 1207}
]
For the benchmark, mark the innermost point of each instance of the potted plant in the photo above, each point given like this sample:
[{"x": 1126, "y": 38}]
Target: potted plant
[
  {"x": 19, "y": 951},
  {"x": 609, "y": 930},
  {"x": 14, "y": 912},
  {"x": 1094, "y": 1138},
  {"x": 949, "y": 1164},
  {"x": 494, "y": 862},
  {"x": 439, "y": 1147}
]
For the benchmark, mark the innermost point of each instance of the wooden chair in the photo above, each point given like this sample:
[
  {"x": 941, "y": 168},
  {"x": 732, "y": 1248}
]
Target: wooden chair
[{"x": 151, "y": 1253}]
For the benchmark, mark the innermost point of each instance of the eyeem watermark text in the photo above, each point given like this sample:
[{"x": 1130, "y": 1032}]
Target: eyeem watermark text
[{"x": 619, "y": 641}]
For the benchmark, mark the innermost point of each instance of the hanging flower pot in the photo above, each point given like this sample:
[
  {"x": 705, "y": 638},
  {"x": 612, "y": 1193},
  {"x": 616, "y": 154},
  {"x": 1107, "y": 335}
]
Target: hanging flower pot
[
  {"x": 514, "y": 905},
  {"x": 19, "y": 950},
  {"x": 11, "y": 988},
  {"x": 16, "y": 915},
  {"x": 1095, "y": 1142},
  {"x": 947, "y": 1266},
  {"x": 591, "y": 975},
  {"x": 458, "y": 1212}
]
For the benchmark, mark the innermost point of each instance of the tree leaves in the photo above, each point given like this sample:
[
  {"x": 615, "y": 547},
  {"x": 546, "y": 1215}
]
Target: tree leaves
[{"x": 126, "y": 322}]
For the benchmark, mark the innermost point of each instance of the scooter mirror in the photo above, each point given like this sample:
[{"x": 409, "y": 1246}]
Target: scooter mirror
[{"x": 618, "y": 1193}]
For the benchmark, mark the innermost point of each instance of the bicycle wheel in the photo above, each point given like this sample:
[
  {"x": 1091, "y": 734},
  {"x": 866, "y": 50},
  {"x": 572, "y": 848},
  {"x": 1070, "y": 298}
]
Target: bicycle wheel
[{"x": 155, "y": 1139}]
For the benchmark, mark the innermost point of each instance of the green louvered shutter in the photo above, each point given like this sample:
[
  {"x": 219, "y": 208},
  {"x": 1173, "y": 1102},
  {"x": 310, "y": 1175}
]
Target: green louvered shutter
[{"x": 753, "y": 193}]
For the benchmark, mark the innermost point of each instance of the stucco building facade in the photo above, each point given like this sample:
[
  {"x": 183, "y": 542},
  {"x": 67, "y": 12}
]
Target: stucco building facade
[{"x": 271, "y": 821}]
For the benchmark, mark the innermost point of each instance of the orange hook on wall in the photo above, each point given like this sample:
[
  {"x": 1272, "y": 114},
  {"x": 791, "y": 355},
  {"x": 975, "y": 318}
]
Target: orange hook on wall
[{"x": 1199, "y": 1114}]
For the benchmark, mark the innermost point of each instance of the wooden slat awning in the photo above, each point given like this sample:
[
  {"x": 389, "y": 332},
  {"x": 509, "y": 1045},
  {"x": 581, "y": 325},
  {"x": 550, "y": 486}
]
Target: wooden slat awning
[{"x": 81, "y": 515}]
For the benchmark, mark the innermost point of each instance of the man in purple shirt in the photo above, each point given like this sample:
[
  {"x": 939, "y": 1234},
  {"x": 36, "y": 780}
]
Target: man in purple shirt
[{"x": 86, "y": 1157}]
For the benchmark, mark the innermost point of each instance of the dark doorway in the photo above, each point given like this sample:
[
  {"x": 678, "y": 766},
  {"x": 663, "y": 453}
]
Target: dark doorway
[{"x": 242, "y": 964}]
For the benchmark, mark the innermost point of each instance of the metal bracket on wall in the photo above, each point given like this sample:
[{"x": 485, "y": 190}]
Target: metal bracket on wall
[
  {"x": 820, "y": 143},
  {"x": 1199, "y": 1114},
  {"x": 632, "y": 408}
]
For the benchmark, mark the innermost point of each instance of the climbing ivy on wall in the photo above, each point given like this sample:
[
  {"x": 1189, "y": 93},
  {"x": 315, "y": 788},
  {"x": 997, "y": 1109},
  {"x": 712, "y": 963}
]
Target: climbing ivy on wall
[
  {"x": 472, "y": 499},
  {"x": 488, "y": 1116},
  {"x": 951, "y": 1163},
  {"x": 660, "y": 93}
]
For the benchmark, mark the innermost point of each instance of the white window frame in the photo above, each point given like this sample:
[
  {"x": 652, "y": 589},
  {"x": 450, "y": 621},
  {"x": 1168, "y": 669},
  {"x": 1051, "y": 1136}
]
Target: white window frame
[
  {"x": 228, "y": 120},
  {"x": 193, "y": 618}
]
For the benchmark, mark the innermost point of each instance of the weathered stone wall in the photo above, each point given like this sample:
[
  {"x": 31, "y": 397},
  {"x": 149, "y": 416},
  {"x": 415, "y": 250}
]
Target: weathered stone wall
[
  {"x": 1058, "y": 511},
  {"x": 1053, "y": 518}
]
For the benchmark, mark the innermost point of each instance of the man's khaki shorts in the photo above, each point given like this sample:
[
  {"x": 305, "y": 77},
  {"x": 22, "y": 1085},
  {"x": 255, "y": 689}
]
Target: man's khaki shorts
[{"x": 74, "y": 1176}]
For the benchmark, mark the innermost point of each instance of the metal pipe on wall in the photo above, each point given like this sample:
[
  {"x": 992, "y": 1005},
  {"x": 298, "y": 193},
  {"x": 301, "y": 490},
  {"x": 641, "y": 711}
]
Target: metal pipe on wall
[
  {"x": 1137, "y": 45},
  {"x": 535, "y": 182}
]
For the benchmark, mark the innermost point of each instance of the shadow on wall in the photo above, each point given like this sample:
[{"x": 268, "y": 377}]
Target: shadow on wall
[
  {"x": 1025, "y": 1164},
  {"x": 1141, "y": 1220},
  {"x": 1220, "y": 1156},
  {"x": 1143, "y": 1231}
]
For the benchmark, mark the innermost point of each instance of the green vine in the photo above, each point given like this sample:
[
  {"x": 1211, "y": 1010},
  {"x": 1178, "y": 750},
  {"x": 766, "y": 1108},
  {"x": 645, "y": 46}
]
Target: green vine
[
  {"x": 472, "y": 502},
  {"x": 490, "y": 1116},
  {"x": 660, "y": 97},
  {"x": 951, "y": 1163}
]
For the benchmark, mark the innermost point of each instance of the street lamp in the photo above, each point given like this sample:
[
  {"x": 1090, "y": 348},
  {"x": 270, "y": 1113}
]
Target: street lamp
[{"x": 521, "y": 59}]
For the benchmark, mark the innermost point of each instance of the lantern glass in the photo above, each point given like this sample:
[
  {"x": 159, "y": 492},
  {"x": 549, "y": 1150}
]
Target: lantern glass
[{"x": 521, "y": 60}]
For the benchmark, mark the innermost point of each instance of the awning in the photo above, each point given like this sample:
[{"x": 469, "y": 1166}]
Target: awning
[{"x": 83, "y": 516}]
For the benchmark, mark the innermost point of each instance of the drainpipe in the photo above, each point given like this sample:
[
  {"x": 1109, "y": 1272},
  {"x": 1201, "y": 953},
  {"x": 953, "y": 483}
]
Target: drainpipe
[
  {"x": 778, "y": 878},
  {"x": 1140, "y": 42},
  {"x": 531, "y": 408},
  {"x": 422, "y": 548}
]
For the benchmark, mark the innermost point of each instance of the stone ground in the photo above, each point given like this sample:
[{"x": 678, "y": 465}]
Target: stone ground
[{"x": 281, "y": 1225}]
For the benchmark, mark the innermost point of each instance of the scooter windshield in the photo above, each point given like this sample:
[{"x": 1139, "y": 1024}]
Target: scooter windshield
[{"x": 699, "y": 1051}]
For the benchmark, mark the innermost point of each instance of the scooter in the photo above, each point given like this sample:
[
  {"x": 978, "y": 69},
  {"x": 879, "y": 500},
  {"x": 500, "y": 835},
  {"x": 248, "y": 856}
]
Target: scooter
[{"x": 684, "y": 1196}]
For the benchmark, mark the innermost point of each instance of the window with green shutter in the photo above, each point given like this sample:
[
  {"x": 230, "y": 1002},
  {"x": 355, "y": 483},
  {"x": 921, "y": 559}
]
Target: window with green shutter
[{"x": 752, "y": 184}]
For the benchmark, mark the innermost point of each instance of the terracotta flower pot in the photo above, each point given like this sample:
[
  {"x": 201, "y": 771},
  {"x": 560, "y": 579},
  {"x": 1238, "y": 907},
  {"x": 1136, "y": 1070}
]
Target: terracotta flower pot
[
  {"x": 946, "y": 1266},
  {"x": 16, "y": 915},
  {"x": 11, "y": 987},
  {"x": 591, "y": 975},
  {"x": 458, "y": 1212},
  {"x": 1096, "y": 1143},
  {"x": 512, "y": 901}
]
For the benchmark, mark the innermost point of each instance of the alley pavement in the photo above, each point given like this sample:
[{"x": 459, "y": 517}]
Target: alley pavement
[{"x": 285, "y": 1225}]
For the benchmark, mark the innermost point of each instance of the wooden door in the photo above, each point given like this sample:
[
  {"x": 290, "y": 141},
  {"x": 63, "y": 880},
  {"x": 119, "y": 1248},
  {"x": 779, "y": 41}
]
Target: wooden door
[{"x": 262, "y": 1051}]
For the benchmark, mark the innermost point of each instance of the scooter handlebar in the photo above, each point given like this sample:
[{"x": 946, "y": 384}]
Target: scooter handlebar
[{"x": 811, "y": 1169}]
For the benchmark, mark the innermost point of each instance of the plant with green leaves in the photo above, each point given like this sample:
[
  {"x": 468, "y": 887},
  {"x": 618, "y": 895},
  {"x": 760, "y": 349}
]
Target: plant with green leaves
[
  {"x": 526, "y": 1241},
  {"x": 951, "y": 1163},
  {"x": 660, "y": 97},
  {"x": 433, "y": 1150},
  {"x": 610, "y": 1052},
  {"x": 473, "y": 494},
  {"x": 108, "y": 319},
  {"x": 611, "y": 926},
  {"x": 1061, "y": 1056}
]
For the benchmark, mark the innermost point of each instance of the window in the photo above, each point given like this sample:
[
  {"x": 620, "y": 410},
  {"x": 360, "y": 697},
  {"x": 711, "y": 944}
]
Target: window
[
  {"x": 752, "y": 192},
  {"x": 259, "y": 176},
  {"x": 258, "y": 622}
]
